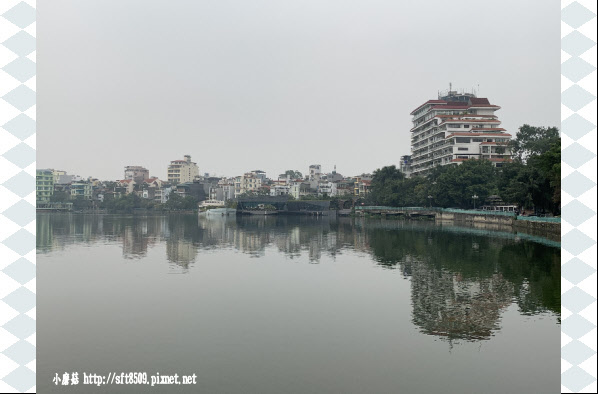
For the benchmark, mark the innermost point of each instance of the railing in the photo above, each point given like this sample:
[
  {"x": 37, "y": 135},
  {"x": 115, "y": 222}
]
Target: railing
[
  {"x": 475, "y": 212},
  {"x": 382, "y": 208},
  {"x": 435, "y": 209},
  {"x": 539, "y": 219},
  {"x": 463, "y": 211}
]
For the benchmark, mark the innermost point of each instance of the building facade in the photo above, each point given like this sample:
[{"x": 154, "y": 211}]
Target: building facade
[
  {"x": 136, "y": 173},
  {"x": 44, "y": 185},
  {"x": 81, "y": 190},
  {"x": 454, "y": 128},
  {"x": 182, "y": 171}
]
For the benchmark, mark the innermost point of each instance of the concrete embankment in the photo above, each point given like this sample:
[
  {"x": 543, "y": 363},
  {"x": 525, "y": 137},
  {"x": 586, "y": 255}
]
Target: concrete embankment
[
  {"x": 528, "y": 225},
  {"x": 476, "y": 218},
  {"x": 517, "y": 223}
]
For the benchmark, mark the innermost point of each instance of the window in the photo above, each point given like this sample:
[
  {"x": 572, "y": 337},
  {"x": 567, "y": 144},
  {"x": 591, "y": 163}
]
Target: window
[
  {"x": 466, "y": 126},
  {"x": 462, "y": 140},
  {"x": 477, "y": 140},
  {"x": 463, "y": 149}
]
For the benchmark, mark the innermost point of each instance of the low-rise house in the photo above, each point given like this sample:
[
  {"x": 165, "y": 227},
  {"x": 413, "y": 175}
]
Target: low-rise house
[
  {"x": 127, "y": 184},
  {"x": 280, "y": 190},
  {"x": 81, "y": 190},
  {"x": 364, "y": 188},
  {"x": 300, "y": 189},
  {"x": 162, "y": 195},
  {"x": 327, "y": 189}
]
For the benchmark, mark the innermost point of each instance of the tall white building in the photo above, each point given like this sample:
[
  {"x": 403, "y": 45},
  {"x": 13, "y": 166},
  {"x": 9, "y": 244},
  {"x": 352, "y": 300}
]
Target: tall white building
[
  {"x": 181, "y": 171},
  {"x": 454, "y": 128}
]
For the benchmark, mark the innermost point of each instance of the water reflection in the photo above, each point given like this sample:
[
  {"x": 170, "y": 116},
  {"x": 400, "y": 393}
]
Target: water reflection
[{"x": 461, "y": 278}]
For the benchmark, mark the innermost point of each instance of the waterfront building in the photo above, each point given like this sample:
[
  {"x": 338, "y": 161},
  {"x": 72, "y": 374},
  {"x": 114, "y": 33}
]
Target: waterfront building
[
  {"x": 44, "y": 185},
  {"x": 57, "y": 174},
  {"x": 280, "y": 190},
  {"x": 127, "y": 185},
  {"x": 345, "y": 187},
  {"x": 192, "y": 189},
  {"x": 361, "y": 184},
  {"x": 326, "y": 188},
  {"x": 454, "y": 128},
  {"x": 82, "y": 190},
  {"x": 224, "y": 190},
  {"x": 136, "y": 173},
  {"x": 181, "y": 171},
  {"x": 250, "y": 182}
]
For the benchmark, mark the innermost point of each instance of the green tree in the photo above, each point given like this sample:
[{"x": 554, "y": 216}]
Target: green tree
[
  {"x": 60, "y": 196},
  {"x": 176, "y": 202},
  {"x": 531, "y": 141},
  {"x": 385, "y": 186},
  {"x": 293, "y": 174}
]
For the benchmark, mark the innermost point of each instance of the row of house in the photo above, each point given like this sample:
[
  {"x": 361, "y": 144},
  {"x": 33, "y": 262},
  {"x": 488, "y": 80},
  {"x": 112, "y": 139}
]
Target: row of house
[{"x": 184, "y": 180}]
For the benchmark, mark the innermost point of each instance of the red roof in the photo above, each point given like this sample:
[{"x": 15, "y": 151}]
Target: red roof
[
  {"x": 475, "y": 100},
  {"x": 428, "y": 102}
]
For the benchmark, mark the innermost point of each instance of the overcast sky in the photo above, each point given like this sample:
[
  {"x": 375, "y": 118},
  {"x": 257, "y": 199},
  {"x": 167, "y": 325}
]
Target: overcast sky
[{"x": 275, "y": 85}]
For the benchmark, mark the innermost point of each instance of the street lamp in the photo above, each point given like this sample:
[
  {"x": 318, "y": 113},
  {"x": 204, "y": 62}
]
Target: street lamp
[
  {"x": 474, "y": 197},
  {"x": 430, "y": 198}
]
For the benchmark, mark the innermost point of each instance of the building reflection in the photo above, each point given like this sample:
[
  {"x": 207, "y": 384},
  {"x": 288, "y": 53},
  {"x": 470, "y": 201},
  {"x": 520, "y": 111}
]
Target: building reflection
[
  {"x": 461, "y": 279},
  {"x": 448, "y": 305}
]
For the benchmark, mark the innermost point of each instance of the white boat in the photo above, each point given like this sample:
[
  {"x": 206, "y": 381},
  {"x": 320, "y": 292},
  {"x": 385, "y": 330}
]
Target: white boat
[{"x": 221, "y": 212}]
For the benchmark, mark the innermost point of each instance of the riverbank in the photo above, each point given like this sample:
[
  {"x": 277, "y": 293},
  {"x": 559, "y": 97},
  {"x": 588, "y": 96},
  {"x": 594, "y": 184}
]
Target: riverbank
[{"x": 527, "y": 224}]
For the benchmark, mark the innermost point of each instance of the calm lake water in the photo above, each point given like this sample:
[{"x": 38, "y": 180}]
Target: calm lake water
[{"x": 296, "y": 305}]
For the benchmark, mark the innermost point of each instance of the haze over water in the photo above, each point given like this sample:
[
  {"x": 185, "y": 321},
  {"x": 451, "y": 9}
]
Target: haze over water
[{"x": 297, "y": 304}]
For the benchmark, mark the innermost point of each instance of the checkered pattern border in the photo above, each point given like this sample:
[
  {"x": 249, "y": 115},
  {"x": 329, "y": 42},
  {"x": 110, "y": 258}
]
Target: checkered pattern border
[{"x": 17, "y": 195}]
